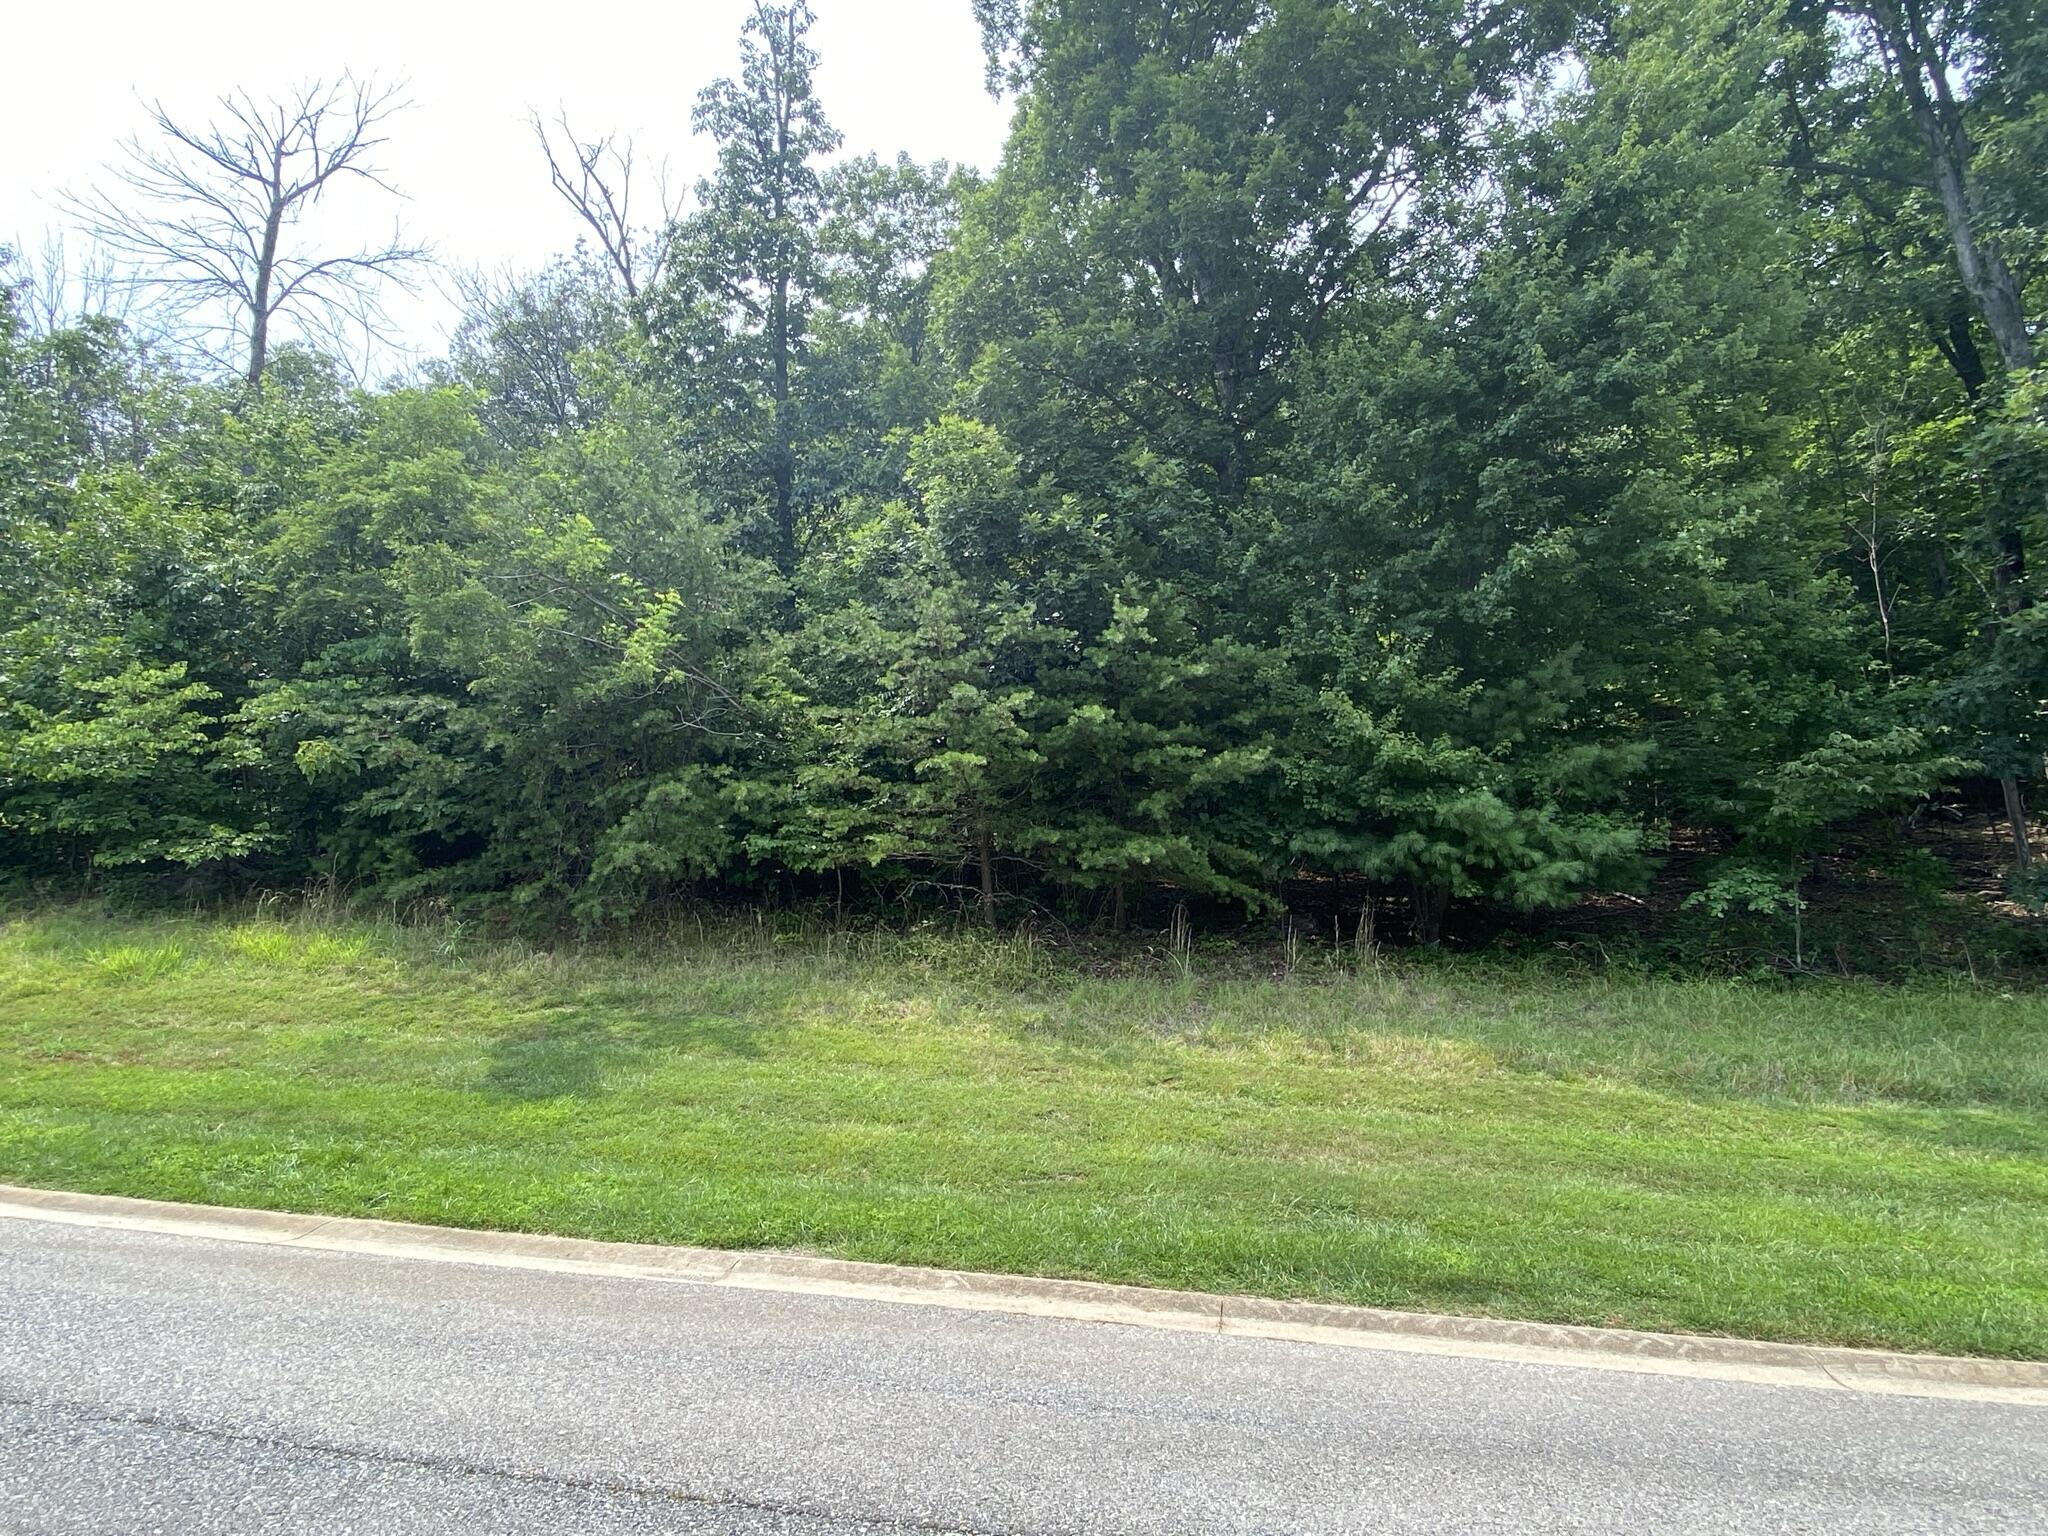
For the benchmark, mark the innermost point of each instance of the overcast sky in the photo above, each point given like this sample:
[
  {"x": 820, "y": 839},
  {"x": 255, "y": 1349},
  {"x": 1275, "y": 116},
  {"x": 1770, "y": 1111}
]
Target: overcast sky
[{"x": 895, "y": 75}]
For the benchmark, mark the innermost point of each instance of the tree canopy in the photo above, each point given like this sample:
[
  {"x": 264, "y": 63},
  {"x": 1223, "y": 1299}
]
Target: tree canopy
[{"x": 1449, "y": 453}]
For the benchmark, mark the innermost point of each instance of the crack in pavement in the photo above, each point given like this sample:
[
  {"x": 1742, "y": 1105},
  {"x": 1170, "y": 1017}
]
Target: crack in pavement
[{"x": 92, "y": 1413}]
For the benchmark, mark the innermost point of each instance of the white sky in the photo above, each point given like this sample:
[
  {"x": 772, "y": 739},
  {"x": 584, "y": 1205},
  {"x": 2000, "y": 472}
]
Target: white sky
[{"x": 894, "y": 75}]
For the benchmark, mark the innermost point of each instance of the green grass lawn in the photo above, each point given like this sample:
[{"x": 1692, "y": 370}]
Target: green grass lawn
[{"x": 1832, "y": 1162}]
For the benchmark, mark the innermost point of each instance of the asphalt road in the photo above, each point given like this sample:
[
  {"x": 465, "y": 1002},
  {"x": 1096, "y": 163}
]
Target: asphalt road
[{"x": 151, "y": 1383}]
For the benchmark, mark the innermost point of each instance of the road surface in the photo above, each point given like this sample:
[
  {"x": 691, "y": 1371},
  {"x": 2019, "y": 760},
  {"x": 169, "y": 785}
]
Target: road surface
[{"x": 164, "y": 1384}]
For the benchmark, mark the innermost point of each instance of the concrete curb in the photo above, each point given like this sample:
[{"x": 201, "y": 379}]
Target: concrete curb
[{"x": 1746, "y": 1360}]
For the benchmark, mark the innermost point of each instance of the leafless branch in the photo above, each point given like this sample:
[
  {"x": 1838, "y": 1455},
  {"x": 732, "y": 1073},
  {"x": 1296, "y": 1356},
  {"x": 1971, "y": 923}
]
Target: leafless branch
[
  {"x": 55, "y": 288},
  {"x": 202, "y": 218},
  {"x": 595, "y": 178}
]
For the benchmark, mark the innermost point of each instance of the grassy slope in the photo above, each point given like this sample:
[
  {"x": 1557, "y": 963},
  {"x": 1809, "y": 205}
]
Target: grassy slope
[{"x": 1837, "y": 1162}]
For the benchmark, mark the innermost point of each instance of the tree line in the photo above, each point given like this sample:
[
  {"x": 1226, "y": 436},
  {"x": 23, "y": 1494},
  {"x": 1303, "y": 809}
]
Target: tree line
[{"x": 1454, "y": 450}]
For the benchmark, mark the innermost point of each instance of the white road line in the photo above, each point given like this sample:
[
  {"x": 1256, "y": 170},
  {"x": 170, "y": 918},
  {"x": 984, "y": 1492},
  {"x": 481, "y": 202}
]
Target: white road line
[{"x": 1722, "y": 1359}]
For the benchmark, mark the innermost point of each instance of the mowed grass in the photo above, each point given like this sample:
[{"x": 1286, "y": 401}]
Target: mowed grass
[{"x": 1834, "y": 1162}]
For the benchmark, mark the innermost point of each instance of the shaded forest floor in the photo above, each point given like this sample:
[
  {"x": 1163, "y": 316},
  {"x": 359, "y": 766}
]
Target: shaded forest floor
[
  {"x": 1804, "y": 1159},
  {"x": 1935, "y": 901}
]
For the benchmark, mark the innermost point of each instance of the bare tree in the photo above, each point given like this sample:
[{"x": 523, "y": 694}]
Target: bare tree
[
  {"x": 209, "y": 218},
  {"x": 56, "y": 288},
  {"x": 595, "y": 178}
]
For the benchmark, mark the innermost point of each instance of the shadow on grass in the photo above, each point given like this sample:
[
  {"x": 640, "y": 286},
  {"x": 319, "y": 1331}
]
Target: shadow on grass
[
  {"x": 572, "y": 1056},
  {"x": 1998, "y": 1132}
]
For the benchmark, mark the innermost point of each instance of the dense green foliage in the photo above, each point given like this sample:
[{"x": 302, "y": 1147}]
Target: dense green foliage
[{"x": 1451, "y": 457}]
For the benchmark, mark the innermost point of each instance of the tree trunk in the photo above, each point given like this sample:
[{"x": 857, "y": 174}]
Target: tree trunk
[
  {"x": 783, "y": 468},
  {"x": 260, "y": 303},
  {"x": 2016, "y": 815},
  {"x": 1959, "y": 346},
  {"x": 1431, "y": 897},
  {"x": 259, "y": 347},
  {"x": 1227, "y": 378},
  {"x": 986, "y": 851},
  {"x": 1923, "y": 74},
  {"x": 1923, "y": 77}
]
